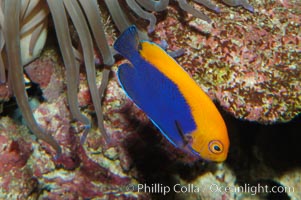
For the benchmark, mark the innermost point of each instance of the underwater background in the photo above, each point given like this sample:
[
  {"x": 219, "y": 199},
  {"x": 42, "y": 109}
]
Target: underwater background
[{"x": 247, "y": 59}]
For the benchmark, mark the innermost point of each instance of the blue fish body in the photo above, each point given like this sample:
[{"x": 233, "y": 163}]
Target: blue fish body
[
  {"x": 156, "y": 92},
  {"x": 152, "y": 92}
]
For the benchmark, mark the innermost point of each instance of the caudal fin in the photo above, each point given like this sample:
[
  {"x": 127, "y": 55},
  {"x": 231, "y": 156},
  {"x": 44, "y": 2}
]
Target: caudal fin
[{"x": 127, "y": 43}]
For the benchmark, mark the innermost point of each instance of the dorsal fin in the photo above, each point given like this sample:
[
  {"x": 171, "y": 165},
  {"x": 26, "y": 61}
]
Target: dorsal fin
[{"x": 128, "y": 42}]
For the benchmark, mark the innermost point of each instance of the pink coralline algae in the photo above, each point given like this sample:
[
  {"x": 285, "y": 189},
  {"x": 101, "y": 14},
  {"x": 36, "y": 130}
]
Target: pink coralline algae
[
  {"x": 28, "y": 172},
  {"x": 5, "y": 94},
  {"x": 16, "y": 177},
  {"x": 28, "y": 168},
  {"x": 249, "y": 62},
  {"x": 48, "y": 72}
]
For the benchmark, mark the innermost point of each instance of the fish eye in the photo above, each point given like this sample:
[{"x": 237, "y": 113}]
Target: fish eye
[{"x": 216, "y": 147}]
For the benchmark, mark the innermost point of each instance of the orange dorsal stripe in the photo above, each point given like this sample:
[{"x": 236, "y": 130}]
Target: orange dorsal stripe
[{"x": 202, "y": 108}]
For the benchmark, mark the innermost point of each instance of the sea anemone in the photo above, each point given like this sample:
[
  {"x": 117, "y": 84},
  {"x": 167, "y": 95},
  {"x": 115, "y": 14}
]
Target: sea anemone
[
  {"x": 15, "y": 16},
  {"x": 31, "y": 15},
  {"x": 23, "y": 34},
  {"x": 141, "y": 8}
]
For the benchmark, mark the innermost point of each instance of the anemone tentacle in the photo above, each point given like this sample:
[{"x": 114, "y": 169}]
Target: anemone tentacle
[
  {"x": 118, "y": 16},
  {"x": 93, "y": 16},
  {"x": 2, "y": 65},
  {"x": 208, "y": 4},
  {"x": 152, "y": 5},
  {"x": 82, "y": 28},
  {"x": 72, "y": 67},
  {"x": 15, "y": 73},
  {"x": 143, "y": 14},
  {"x": 242, "y": 3},
  {"x": 188, "y": 8}
]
